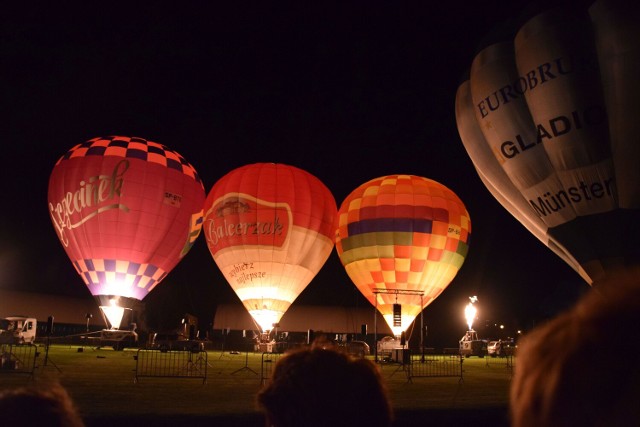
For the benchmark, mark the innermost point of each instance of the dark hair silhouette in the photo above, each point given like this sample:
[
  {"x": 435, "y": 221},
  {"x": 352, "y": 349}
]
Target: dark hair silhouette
[
  {"x": 324, "y": 387},
  {"x": 50, "y": 406},
  {"x": 580, "y": 369}
]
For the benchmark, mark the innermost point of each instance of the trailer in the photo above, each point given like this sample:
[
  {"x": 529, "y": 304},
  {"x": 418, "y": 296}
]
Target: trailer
[{"x": 118, "y": 338}]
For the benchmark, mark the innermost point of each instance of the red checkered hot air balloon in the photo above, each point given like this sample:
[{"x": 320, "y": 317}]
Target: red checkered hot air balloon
[
  {"x": 269, "y": 228},
  {"x": 126, "y": 210},
  {"x": 402, "y": 240}
]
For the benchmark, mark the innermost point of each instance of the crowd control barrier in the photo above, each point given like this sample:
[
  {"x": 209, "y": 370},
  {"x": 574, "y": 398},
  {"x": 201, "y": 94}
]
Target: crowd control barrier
[
  {"x": 156, "y": 363},
  {"x": 18, "y": 358}
]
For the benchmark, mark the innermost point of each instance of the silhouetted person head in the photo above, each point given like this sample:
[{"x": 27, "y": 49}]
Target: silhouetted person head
[
  {"x": 50, "y": 407},
  {"x": 324, "y": 387},
  {"x": 580, "y": 369}
]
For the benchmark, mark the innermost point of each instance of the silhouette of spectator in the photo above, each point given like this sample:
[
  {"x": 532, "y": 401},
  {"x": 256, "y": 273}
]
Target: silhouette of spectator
[
  {"x": 580, "y": 369},
  {"x": 321, "y": 386},
  {"x": 51, "y": 407}
]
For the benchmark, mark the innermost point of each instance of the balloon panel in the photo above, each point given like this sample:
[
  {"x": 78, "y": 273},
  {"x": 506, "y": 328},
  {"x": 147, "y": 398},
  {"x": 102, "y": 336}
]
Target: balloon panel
[
  {"x": 402, "y": 233},
  {"x": 269, "y": 228},
  {"x": 126, "y": 211}
]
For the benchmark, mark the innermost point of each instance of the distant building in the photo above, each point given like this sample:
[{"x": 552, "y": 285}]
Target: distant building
[
  {"x": 301, "y": 318},
  {"x": 234, "y": 317},
  {"x": 64, "y": 309}
]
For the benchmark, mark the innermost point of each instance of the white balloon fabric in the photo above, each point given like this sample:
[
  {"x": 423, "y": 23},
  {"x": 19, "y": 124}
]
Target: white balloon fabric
[{"x": 550, "y": 121}]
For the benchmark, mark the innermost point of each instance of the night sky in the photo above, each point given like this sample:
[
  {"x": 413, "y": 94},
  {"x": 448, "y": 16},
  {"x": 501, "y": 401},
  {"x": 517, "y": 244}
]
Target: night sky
[{"x": 348, "y": 93}]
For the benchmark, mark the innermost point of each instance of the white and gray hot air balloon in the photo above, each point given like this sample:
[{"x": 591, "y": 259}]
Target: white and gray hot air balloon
[{"x": 551, "y": 121}]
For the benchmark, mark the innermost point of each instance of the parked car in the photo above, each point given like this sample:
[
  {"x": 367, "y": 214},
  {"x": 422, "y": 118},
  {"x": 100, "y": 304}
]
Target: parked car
[
  {"x": 357, "y": 348},
  {"x": 501, "y": 348},
  {"x": 494, "y": 348}
]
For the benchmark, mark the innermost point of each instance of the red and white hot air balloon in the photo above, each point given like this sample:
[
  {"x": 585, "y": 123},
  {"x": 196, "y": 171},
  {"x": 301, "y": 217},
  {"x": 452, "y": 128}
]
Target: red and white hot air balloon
[{"x": 269, "y": 228}]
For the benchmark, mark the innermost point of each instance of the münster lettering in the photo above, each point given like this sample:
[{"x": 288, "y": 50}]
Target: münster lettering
[{"x": 549, "y": 203}]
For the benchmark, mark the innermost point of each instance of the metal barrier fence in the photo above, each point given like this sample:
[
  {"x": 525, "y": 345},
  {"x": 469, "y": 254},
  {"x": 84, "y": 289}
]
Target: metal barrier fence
[
  {"x": 18, "y": 358},
  {"x": 171, "y": 364},
  {"x": 269, "y": 361},
  {"x": 507, "y": 362},
  {"x": 434, "y": 365}
]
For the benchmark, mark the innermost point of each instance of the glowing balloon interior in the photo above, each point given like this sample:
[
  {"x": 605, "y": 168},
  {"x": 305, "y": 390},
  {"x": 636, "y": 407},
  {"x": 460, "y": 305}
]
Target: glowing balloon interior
[
  {"x": 550, "y": 121},
  {"x": 269, "y": 228},
  {"x": 113, "y": 313},
  {"x": 126, "y": 211},
  {"x": 402, "y": 233}
]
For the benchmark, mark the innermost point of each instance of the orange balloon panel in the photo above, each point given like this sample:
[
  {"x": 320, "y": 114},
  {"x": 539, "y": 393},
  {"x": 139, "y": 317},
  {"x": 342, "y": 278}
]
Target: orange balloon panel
[
  {"x": 126, "y": 211},
  {"x": 269, "y": 228},
  {"x": 402, "y": 239}
]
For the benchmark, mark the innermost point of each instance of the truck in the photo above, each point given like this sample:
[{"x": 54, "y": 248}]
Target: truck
[
  {"x": 18, "y": 330},
  {"x": 184, "y": 337},
  {"x": 471, "y": 345}
]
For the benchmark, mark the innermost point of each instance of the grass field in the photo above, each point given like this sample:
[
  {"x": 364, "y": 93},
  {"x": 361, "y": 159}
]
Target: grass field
[{"x": 101, "y": 381}]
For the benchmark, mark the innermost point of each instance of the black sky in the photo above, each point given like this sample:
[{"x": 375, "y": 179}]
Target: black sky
[{"x": 348, "y": 93}]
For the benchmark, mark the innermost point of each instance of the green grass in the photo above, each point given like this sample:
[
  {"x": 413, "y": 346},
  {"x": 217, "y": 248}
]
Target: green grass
[{"x": 102, "y": 384}]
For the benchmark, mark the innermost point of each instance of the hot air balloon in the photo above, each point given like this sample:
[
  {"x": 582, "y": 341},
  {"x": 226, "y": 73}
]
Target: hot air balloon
[
  {"x": 402, "y": 240},
  {"x": 550, "y": 121},
  {"x": 269, "y": 228},
  {"x": 126, "y": 210}
]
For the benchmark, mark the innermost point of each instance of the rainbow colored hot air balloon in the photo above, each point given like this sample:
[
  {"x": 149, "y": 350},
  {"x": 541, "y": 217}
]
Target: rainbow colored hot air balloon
[
  {"x": 270, "y": 229},
  {"x": 126, "y": 210},
  {"x": 402, "y": 240},
  {"x": 550, "y": 121}
]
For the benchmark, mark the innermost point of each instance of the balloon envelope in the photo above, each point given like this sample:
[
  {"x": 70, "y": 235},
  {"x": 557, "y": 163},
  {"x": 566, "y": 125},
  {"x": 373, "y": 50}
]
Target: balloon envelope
[
  {"x": 126, "y": 210},
  {"x": 402, "y": 240},
  {"x": 269, "y": 228},
  {"x": 550, "y": 121}
]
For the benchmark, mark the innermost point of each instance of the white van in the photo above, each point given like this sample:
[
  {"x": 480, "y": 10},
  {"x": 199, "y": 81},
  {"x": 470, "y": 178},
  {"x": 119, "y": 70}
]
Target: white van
[{"x": 18, "y": 330}]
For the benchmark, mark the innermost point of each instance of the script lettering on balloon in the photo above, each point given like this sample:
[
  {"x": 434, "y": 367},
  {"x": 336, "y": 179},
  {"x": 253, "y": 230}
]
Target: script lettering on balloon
[
  {"x": 241, "y": 219},
  {"x": 244, "y": 273},
  {"x": 77, "y": 207}
]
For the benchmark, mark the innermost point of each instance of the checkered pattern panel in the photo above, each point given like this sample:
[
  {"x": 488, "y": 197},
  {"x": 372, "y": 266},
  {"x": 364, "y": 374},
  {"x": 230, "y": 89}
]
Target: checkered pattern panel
[
  {"x": 119, "y": 277},
  {"x": 132, "y": 147},
  {"x": 403, "y": 232}
]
